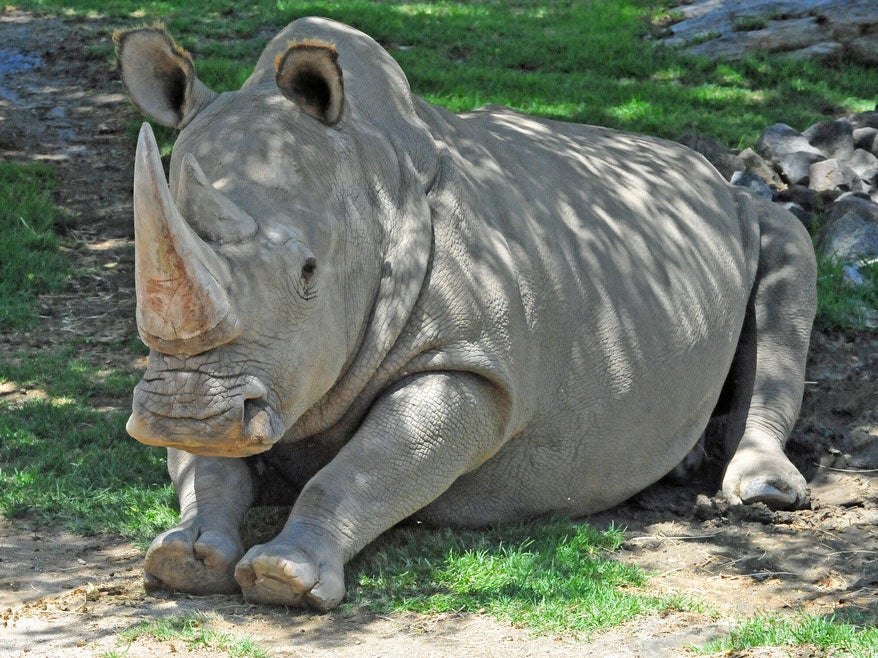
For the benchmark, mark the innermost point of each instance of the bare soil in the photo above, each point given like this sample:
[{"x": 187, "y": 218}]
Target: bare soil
[{"x": 67, "y": 595}]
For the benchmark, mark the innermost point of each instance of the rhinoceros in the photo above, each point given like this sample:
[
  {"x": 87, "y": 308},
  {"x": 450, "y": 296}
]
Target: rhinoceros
[{"x": 372, "y": 309}]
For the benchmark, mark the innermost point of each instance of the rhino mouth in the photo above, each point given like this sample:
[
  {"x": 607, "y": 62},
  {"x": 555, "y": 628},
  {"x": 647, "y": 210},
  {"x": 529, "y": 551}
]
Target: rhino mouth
[{"x": 204, "y": 415}]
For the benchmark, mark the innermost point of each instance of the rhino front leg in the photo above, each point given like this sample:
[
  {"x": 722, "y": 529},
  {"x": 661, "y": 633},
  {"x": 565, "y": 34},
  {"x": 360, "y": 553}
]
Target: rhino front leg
[
  {"x": 199, "y": 554},
  {"x": 418, "y": 438},
  {"x": 769, "y": 368}
]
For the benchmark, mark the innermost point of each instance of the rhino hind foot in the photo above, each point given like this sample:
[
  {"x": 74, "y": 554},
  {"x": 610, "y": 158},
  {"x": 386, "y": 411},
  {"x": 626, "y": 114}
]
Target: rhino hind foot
[
  {"x": 754, "y": 477},
  {"x": 281, "y": 574},
  {"x": 774, "y": 493},
  {"x": 189, "y": 560}
]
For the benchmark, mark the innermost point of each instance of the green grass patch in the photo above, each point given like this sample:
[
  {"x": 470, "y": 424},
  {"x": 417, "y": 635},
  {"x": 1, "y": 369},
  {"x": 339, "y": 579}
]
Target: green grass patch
[
  {"x": 843, "y": 303},
  {"x": 65, "y": 456},
  {"x": 557, "y": 576},
  {"x": 193, "y": 630},
  {"x": 30, "y": 260},
  {"x": 588, "y": 62},
  {"x": 830, "y": 636},
  {"x": 750, "y": 23}
]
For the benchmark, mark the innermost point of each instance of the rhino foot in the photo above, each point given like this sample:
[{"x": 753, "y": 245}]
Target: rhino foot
[
  {"x": 765, "y": 476},
  {"x": 191, "y": 559},
  {"x": 286, "y": 574}
]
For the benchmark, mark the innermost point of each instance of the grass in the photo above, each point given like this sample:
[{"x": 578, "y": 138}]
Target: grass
[
  {"x": 842, "y": 303},
  {"x": 195, "y": 632},
  {"x": 30, "y": 260},
  {"x": 828, "y": 635},
  {"x": 553, "y": 577},
  {"x": 65, "y": 457},
  {"x": 750, "y": 23},
  {"x": 586, "y": 61}
]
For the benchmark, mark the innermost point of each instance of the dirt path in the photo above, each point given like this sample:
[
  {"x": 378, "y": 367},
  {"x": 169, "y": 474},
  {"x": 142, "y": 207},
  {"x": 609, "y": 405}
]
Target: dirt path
[{"x": 72, "y": 596}]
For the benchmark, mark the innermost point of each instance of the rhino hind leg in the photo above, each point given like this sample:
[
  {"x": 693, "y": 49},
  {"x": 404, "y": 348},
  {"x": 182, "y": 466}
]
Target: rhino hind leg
[
  {"x": 768, "y": 373},
  {"x": 682, "y": 472},
  {"x": 199, "y": 554}
]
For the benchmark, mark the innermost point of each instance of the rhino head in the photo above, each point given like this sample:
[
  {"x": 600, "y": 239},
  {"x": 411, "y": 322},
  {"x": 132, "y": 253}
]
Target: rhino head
[{"x": 259, "y": 268}]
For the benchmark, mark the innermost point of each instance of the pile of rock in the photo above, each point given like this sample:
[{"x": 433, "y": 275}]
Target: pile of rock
[
  {"x": 804, "y": 29},
  {"x": 830, "y": 171}
]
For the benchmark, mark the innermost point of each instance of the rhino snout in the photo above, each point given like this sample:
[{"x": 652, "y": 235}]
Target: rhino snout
[{"x": 236, "y": 421}]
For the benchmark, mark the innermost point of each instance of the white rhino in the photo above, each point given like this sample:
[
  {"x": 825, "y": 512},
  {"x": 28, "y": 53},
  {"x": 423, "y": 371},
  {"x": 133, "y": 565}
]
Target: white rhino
[{"x": 371, "y": 308}]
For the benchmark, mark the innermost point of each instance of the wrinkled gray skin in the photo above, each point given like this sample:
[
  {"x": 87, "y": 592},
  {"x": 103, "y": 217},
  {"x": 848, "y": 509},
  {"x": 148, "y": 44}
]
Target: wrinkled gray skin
[{"x": 509, "y": 317}]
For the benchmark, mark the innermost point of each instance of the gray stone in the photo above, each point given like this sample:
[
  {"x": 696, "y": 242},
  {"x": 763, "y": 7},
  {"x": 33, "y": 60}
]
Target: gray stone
[
  {"x": 851, "y": 230},
  {"x": 781, "y": 139},
  {"x": 861, "y": 161},
  {"x": 797, "y": 28},
  {"x": 865, "y": 138},
  {"x": 833, "y": 174},
  {"x": 851, "y": 274},
  {"x": 869, "y": 178},
  {"x": 834, "y": 139},
  {"x": 855, "y": 202},
  {"x": 753, "y": 183},
  {"x": 721, "y": 157},
  {"x": 795, "y": 167},
  {"x": 800, "y": 195},
  {"x": 800, "y": 213},
  {"x": 850, "y": 238},
  {"x": 864, "y": 48},
  {"x": 755, "y": 164},
  {"x": 57, "y": 114},
  {"x": 821, "y": 50},
  {"x": 865, "y": 119}
]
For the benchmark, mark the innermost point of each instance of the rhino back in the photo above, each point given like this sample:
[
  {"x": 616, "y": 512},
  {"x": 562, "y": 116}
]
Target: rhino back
[{"x": 601, "y": 280}]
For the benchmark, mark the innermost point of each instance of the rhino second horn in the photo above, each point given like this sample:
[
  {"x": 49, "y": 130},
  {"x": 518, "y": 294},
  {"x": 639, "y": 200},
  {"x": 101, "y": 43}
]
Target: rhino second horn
[
  {"x": 211, "y": 213},
  {"x": 182, "y": 306}
]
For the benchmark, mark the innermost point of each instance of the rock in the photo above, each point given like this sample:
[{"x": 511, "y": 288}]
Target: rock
[
  {"x": 863, "y": 48},
  {"x": 865, "y": 120},
  {"x": 855, "y": 202},
  {"x": 755, "y": 164},
  {"x": 834, "y": 139},
  {"x": 833, "y": 174},
  {"x": 795, "y": 167},
  {"x": 800, "y": 213},
  {"x": 722, "y": 158},
  {"x": 824, "y": 29},
  {"x": 851, "y": 234},
  {"x": 756, "y": 186},
  {"x": 861, "y": 161},
  {"x": 781, "y": 139},
  {"x": 865, "y": 138},
  {"x": 851, "y": 274},
  {"x": 790, "y": 151},
  {"x": 821, "y": 50},
  {"x": 778, "y": 36},
  {"x": 869, "y": 178},
  {"x": 800, "y": 195}
]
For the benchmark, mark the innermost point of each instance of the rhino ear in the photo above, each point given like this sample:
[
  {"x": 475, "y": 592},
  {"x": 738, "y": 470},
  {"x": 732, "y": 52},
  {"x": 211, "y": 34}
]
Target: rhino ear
[
  {"x": 160, "y": 77},
  {"x": 309, "y": 75}
]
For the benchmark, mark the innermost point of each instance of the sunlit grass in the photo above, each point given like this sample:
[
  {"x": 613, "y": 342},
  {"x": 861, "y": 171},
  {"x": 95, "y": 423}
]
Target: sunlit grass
[
  {"x": 65, "y": 456},
  {"x": 558, "y": 59},
  {"x": 195, "y": 632},
  {"x": 30, "y": 260},
  {"x": 553, "y": 577},
  {"x": 825, "y": 636}
]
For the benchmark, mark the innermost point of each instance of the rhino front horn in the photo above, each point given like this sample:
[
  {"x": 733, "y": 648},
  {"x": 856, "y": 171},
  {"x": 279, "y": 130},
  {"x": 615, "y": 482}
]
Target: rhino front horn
[{"x": 182, "y": 304}]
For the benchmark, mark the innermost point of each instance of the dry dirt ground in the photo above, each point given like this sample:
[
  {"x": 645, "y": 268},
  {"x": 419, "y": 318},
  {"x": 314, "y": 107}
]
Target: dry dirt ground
[{"x": 63, "y": 595}]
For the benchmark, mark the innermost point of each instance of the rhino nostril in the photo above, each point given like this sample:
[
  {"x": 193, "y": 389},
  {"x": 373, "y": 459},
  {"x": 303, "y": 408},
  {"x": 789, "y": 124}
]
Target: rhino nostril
[{"x": 258, "y": 420}]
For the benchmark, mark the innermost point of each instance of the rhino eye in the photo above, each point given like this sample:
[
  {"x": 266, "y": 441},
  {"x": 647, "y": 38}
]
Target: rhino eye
[{"x": 308, "y": 269}]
